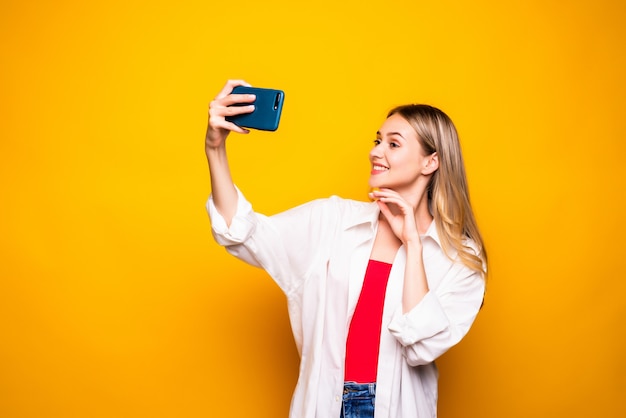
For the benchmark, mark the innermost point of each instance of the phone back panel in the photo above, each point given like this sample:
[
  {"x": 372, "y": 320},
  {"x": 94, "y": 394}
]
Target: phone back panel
[{"x": 268, "y": 107}]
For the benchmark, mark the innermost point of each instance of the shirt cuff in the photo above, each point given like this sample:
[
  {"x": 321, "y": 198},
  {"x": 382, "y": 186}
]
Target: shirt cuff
[
  {"x": 423, "y": 321},
  {"x": 241, "y": 226}
]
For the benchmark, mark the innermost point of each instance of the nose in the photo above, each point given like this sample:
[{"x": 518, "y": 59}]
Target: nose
[{"x": 376, "y": 152}]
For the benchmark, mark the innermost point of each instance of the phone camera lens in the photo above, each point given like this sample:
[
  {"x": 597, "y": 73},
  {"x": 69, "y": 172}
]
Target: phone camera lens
[{"x": 276, "y": 101}]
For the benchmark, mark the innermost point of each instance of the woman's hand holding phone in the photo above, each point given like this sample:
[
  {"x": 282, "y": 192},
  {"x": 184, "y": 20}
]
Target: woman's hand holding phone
[
  {"x": 222, "y": 107},
  {"x": 239, "y": 106}
]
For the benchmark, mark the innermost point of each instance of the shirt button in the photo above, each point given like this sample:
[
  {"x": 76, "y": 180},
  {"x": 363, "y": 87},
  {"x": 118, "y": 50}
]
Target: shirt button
[{"x": 337, "y": 398}]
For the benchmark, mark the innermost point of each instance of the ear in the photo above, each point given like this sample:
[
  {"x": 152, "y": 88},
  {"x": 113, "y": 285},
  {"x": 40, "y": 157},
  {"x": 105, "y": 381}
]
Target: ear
[{"x": 432, "y": 164}]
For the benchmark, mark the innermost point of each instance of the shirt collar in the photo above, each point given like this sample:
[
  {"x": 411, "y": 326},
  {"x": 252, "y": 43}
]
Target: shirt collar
[
  {"x": 431, "y": 232},
  {"x": 364, "y": 213},
  {"x": 367, "y": 213}
]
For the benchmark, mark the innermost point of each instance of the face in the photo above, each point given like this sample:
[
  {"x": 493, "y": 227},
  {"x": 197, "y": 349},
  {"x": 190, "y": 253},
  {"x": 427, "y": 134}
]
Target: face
[{"x": 398, "y": 160}]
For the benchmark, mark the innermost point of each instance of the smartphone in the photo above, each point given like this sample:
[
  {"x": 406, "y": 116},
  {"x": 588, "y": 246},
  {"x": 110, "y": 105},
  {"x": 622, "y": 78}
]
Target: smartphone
[{"x": 267, "y": 109}]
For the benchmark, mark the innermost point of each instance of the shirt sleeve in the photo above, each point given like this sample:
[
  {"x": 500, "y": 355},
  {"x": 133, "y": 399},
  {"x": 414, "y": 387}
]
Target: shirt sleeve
[
  {"x": 442, "y": 318},
  {"x": 286, "y": 245}
]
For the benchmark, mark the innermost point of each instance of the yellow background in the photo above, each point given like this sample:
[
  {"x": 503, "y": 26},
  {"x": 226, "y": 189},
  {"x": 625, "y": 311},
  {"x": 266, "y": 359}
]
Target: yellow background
[{"x": 115, "y": 301}]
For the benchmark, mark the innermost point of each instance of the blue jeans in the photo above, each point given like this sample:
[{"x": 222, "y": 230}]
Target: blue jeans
[{"x": 358, "y": 400}]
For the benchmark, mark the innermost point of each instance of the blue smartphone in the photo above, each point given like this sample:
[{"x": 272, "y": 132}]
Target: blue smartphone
[{"x": 267, "y": 109}]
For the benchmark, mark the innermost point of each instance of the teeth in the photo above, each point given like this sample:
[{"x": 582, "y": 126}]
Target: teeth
[{"x": 379, "y": 168}]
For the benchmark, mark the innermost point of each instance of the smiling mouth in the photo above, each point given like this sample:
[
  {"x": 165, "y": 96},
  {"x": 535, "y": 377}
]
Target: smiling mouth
[{"x": 379, "y": 168}]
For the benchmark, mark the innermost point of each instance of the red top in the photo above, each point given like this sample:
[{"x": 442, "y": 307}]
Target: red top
[{"x": 364, "y": 335}]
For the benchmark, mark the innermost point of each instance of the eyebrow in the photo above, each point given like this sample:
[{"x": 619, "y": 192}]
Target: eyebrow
[{"x": 391, "y": 134}]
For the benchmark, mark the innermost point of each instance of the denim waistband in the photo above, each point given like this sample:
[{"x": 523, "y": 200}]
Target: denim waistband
[{"x": 352, "y": 387}]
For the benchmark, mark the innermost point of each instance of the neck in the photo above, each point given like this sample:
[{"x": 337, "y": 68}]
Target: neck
[
  {"x": 423, "y": 218},
  {"x": 419, "y": 202}
]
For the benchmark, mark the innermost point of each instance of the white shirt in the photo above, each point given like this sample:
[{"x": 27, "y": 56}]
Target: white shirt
[{"x": 317, "y": 253}]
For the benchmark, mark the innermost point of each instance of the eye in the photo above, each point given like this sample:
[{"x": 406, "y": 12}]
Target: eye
[
  {"x": 394, "y": 144},
  {"x": 377, "y": 142}
]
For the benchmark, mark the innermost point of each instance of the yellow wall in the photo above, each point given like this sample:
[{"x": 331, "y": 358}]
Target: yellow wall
[{"x": 115, "y": 301}]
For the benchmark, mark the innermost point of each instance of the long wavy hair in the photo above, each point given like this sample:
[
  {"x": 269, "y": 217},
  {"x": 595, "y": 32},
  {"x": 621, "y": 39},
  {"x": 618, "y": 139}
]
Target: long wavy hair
[{"x": 448, "y": 194}]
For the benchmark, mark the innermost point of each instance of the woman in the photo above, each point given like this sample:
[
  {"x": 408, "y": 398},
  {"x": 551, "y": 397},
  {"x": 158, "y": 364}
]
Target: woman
[{"x": 377, "y": 290}]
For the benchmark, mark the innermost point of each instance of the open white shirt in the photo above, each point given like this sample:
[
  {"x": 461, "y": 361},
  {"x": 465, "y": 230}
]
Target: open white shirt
[{"x": 317, "y": 253}]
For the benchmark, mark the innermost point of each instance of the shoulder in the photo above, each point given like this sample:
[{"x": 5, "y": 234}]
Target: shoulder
[
  {"x": 347, "y": 207},
  {"x": 347, "y": 212},
  {"x": 336, "y": 203},
  {"x": 471, "y": 246}
]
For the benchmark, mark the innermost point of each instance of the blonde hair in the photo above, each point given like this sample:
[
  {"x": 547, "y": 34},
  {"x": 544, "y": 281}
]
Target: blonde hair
[{"x": 448, "y": 194}]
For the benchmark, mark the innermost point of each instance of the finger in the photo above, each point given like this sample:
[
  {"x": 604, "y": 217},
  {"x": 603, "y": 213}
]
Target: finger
[
  {"x": 236, "y": 110},
  {"x": 224, "y": 124},
  {"x": 389, "y": 193},
  {"x": 395, "y": 200},
  {"x": 229, "y": 86},
  {"x": 384, "y": 209},
  {"x": 376, "y": 194},
  {"x": 218, "y": 111},
  {"x": 383, "y": 193},
  {"x": 232, "y": 99}
]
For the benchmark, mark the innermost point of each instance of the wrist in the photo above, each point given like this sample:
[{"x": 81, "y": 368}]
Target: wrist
[
  {"x": 215, "y": 150},
  {"x": 414, "y": 243}
]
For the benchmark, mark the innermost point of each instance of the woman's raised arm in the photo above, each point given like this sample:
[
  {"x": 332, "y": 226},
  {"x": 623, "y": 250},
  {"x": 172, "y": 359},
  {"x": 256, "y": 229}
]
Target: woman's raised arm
[{"x": 222, "y": 186}]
